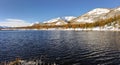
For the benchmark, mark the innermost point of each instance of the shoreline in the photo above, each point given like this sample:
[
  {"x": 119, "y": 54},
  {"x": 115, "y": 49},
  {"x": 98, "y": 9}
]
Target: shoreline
[{"x": 70, "y": 29}]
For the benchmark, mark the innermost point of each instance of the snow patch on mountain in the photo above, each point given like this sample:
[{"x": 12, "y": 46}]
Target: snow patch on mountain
[
  {"x": 98, "y": 11},
  {"x": 85, "y": 19},
  {"x": 93, "y": 16},
  {"x": 59, "y": 20},
  {"x": 117, "y": 9},
  {"x": 52, "y": 20},
  {"x": 68, "y": 18},
  {"x": 60, "y": 23}
]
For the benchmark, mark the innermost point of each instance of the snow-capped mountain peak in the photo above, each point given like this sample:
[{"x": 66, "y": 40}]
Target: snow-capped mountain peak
[
  {"x": 99, "y": 11},
  {"x": 117, "y": 9},
  {"x": 68, "y": 18},
  {"x": 92, "y": 16},
  {"x": 52, "y": 20}
]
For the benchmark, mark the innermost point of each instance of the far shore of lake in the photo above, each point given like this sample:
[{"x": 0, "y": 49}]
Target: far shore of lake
[{"x": 69, "y": 29}]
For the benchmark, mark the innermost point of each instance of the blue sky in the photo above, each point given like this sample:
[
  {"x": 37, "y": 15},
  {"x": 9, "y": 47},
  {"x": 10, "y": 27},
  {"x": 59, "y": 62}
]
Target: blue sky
[{"x": 42, "y": 10}]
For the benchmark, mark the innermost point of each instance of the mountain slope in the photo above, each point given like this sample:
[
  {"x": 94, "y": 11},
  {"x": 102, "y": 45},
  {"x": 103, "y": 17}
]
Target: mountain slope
[
  {"x": 101, "y": 18},
  {"x": 92, "y": 16},
  {"x": 59, "y": 20}
]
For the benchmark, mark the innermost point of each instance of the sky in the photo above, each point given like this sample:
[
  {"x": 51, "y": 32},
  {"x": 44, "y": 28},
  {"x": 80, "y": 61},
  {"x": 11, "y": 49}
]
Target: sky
[{"x": 25, "y": 12}]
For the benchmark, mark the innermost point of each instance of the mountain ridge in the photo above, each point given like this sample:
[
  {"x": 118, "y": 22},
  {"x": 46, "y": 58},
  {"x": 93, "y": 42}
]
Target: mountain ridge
[
  {"x": 105, "y": 18},
  {"x": 93, "y": 15}
]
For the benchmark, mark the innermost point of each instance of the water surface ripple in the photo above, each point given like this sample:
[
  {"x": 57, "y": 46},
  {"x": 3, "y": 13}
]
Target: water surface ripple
[{"x": 62, "y": 47}]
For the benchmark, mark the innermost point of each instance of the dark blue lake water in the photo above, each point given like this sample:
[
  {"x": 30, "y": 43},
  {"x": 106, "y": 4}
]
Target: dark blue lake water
[{"x": 62, "y": 47}]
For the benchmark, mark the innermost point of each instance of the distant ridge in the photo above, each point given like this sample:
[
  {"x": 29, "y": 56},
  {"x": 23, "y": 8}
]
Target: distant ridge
[{"x": 100, "y": 18}]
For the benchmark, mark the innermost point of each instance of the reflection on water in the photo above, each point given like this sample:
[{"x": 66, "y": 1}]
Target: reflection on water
[{"x": 62, "y": 47}]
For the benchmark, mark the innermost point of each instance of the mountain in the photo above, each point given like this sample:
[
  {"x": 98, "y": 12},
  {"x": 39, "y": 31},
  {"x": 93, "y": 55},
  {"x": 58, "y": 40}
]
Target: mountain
[
  {"x": 56, "y": 21},
  {"x": 92, "y": 16},
  {"x": 1, "y": 27},
  {"x": 96, "y": 15},
  {"x": 68, "y": 18},
  {"x": 60, "y": 20},
  {"x": 4, "y": 27},
  {"x": 114, "y": 16},
  {"x": 100, "y": 18},
  {"x": 113, "y": 12}
]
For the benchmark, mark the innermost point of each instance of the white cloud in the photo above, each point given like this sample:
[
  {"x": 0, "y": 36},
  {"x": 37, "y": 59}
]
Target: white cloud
[
  {"x": 14, "y": 20},
  {"x": 14, "y": 23}
]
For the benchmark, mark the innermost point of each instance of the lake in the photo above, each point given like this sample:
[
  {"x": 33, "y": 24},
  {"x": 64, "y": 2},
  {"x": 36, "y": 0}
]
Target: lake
[{"x": 62, "y": 47}]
